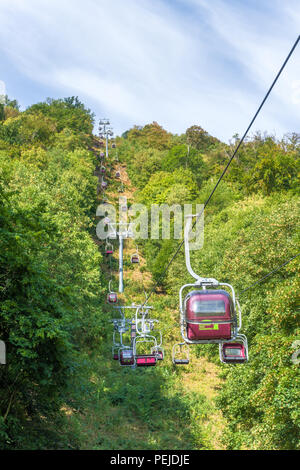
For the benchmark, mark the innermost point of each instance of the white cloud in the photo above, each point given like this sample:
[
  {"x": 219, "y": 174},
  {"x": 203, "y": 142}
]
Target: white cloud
[
  {"x": 144, "y": 60},
  {"x": 259, "y": 42},
  {"x": 2, "y": 92},
  {"x": 296, "y": 91}
]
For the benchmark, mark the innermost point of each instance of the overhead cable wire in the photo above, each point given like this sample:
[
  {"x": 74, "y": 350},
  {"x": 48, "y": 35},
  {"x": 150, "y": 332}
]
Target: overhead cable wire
[{"x": 269, "y": 274}]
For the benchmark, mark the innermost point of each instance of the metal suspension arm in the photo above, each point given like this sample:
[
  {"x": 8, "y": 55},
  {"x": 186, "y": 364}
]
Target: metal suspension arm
[
  {"x": 199, "y": 280},
  {"x": 121, "y": 285}
]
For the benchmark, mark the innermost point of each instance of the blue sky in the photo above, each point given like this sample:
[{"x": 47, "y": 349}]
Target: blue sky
[{"x": 178, "y": 62}]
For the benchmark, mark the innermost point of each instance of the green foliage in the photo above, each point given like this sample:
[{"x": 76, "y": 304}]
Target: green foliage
[
  {"x": 8, "y": 108},
  {"x": 11, "y": 103},
  {"x": 49, "y": 277},
  {"x": 226, "y": 194},
  {"x": 70, "y": 140},
  {"x": 150, "y": 402},
  {"x": 273, "y": 173},
  {"x": 266, "y": 165},
  {"x": 67, "y": 113},
  {"x": 199, "y": 138},
  {"x": 263, "y": 414},
  {"x": 28, "y": 129},
  {"x": 143, "y": 165},
  {"x": 180, "y": 156},
  {"x": 160, "y": 188},
  {"x": 2, "y": 112},
  {"x": 150, "y": 136},
  {"x": 53, "y": 320}
]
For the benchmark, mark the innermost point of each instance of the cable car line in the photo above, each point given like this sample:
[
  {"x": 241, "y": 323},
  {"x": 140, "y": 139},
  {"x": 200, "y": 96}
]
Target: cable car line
[
  {"x": 140, "y": 327},
  {"x": 269, "y": 274},
  {"x": 229, "y": 162},
  {"x": 208, "y": 314}
]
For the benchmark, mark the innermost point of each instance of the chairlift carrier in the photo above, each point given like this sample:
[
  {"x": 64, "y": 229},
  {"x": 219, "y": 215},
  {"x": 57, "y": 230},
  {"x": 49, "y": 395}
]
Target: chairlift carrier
[
  {"x": 180, "y": 354},
  {"x": 144, "y": 327},
  {"x": 103, "y": 184},
  {"x": 109, "y": 249},
  {"x": 112, "y": 297},
  {"x": 207, "y": 314},
  {"x": 235, "y": 351},
  {"x": 135, "y": 259},
  {"x": 126, "y": 357}
]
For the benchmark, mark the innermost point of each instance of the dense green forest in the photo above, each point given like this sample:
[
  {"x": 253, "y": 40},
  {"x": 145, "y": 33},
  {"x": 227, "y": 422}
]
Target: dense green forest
[{"x": 60, "y": 389}]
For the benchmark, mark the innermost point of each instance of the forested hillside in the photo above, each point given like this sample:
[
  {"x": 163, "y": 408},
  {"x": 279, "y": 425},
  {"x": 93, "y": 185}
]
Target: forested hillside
[
  {"x": 50, "y": 281},
  {"x": 250, "y": 228},
  {"x": 60, "y": 387}
]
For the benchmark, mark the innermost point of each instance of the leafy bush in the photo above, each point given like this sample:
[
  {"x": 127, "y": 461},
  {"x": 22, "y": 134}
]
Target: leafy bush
[{"x": 49, "y": 278}]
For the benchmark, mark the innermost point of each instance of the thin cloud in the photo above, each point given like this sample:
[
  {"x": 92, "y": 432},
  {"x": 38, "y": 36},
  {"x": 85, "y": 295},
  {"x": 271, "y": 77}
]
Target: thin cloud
[{"x": 178, "y": 63}]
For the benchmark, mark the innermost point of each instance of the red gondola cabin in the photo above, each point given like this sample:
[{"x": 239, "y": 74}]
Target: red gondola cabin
[
  {"x": 214, "y": 305},
  {"x": 112, "y": 298},
  {"x": 234, "y": 353},
  {"x": 126, "y": 357}
]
